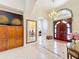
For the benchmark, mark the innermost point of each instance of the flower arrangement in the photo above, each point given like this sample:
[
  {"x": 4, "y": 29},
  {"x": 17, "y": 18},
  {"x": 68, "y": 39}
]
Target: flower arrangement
[{"x": 74, "y": 36}]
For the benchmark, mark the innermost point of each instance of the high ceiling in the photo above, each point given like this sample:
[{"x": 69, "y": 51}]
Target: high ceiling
[
  {"x": 15, "y": 4},
  {"x": 40, "y": 7},
  {"x": 49, "y": 3}
]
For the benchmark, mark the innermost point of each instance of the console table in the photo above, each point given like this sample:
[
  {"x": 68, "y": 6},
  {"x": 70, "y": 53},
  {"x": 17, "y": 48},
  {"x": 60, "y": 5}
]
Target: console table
[
  {"x": 72, "y": 50},
  {"x": 49, "y": 37}
]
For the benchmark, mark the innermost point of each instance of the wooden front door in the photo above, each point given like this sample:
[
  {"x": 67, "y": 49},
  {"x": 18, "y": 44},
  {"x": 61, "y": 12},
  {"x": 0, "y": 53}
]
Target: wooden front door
[
  {"x": 62, "y": 28},
  {"x": 61, "y": 31}
]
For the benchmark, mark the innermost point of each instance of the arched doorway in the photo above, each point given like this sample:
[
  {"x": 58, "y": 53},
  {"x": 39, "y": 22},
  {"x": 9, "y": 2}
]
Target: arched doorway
[
  {"x": 62, "y": 29},
  {"x": 62, "y": 24}
]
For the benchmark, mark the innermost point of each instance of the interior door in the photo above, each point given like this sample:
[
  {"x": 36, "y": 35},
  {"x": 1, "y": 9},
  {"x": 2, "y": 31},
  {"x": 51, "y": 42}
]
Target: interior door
[{"x": 61, "y": 31}]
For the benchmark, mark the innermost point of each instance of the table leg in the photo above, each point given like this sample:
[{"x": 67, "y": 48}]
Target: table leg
[
  {"x": 70, "y": 56},
  {"x": 78, "y": 56},
  {"x": 67, "y": 55}
]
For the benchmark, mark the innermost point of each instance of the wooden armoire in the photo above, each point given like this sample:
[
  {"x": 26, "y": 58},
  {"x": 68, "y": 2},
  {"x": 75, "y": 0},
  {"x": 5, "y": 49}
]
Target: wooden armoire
[{"x": 11, "y": 30}]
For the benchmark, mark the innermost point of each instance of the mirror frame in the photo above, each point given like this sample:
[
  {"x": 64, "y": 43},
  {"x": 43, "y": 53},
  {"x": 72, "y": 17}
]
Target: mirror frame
[{"x": 27, "y": 31}]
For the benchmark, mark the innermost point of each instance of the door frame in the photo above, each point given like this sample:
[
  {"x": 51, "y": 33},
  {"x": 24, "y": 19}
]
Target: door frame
[{"x": 69, "y": 21}]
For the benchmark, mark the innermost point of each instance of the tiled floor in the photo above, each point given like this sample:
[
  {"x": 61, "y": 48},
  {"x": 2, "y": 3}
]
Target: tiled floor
[{"x": 48, "y": 49}]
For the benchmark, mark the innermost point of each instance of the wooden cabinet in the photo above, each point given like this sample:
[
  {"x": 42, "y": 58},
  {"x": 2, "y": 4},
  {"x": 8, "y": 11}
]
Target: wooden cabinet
[
  {"x": 3, "y": 44},
  {"x": 11, "y": 37}
]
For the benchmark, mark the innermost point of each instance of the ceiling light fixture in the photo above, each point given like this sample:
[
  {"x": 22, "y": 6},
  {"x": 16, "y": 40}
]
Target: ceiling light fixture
[{"x": 53, "y": 13}]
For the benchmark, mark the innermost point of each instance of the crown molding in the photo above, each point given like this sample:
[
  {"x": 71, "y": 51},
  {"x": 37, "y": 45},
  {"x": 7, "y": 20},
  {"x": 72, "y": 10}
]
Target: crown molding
[{"x": 10, "y": 9}]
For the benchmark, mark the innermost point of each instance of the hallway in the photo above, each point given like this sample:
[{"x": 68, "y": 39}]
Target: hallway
[{"x": 49, "y": 49}]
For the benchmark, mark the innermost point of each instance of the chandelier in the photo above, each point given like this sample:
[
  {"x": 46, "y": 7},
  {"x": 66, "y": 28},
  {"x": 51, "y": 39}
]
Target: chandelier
[{"x": 53, "y": 13}]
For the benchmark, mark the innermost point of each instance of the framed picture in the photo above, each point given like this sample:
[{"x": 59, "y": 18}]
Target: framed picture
[
  {"x": 8, "y": 18},
  {"x": 31, "y": 31}
]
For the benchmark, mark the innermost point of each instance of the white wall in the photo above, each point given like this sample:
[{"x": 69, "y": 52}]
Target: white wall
[
  {"x": 16, "y": 4},
  {"x": 29, "y": 4}
]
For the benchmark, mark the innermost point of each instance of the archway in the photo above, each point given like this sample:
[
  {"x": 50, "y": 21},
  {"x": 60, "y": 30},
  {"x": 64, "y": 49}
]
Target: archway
[
  {"x": 62, "y": 25},
  {"x": 62, "y": 29}
]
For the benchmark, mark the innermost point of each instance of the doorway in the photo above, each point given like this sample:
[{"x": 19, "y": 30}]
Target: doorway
[
  {"x": 42, "y": 28},
  {"x": 61, "y": 30},
  {"x": 62, "y": 24}
]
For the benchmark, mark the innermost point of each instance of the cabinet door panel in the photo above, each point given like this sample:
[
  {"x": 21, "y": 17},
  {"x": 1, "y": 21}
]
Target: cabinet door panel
[
  {"x": 11, "y": 34},
  {"x": 11, "y": 43},
  {"x": 19, "y": 34},
  {"x": 3, "y": 44},
  {"x": 3, "y": 39},
  {"x": 19, "y": 42},
  {"x": 2, "y": 32}
]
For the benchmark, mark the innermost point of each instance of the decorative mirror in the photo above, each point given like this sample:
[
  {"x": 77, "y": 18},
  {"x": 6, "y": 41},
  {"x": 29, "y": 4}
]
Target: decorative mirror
[{"x": 31, "y": 33}]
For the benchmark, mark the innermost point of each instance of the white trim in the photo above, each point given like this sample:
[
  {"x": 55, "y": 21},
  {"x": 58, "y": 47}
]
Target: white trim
[{"x": 10, "y": 9}]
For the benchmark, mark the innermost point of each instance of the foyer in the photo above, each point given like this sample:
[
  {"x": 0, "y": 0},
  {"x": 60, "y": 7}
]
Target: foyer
[{"x": 38, "y": 29}]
